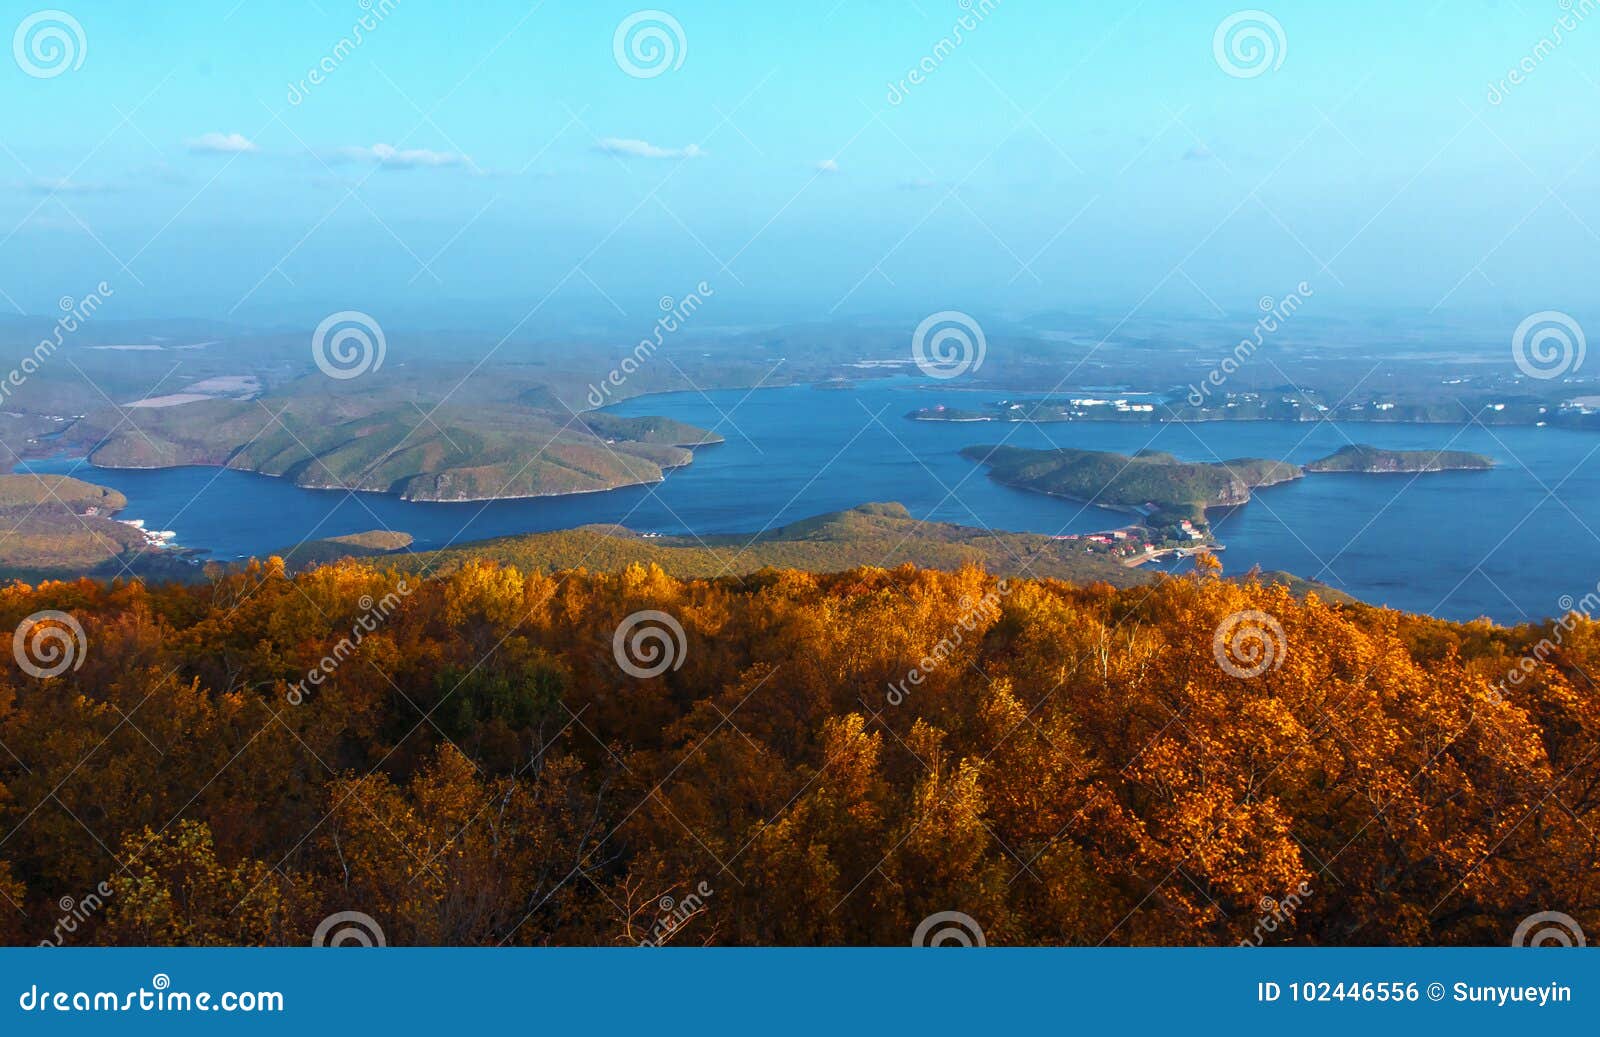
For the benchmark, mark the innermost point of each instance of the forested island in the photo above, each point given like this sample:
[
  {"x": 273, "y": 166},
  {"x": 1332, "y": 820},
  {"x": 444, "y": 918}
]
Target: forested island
[
  {"x": 1171, "y": 495},
  {"x": 1360, "y": 458},
  {"x": 1151, "y": 483},
  {"x": 485, "y": 451}
]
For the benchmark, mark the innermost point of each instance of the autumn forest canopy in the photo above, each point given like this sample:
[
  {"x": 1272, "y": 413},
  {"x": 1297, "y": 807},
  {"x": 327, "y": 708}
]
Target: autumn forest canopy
[{"x": 819, "y": 759}]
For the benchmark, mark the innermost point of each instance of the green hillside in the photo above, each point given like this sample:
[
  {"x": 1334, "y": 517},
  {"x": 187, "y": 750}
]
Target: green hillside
[
  {"x": 322, "y": 435},
  {"x": 883, "y": 535},
  {"x": 57, "y": 527},
  {"x": 354, "y": 545},
  {"x": 1147, "y": 482},
  {"x": 1361, "y": 458},
  {"x": 28, "y": 489}
]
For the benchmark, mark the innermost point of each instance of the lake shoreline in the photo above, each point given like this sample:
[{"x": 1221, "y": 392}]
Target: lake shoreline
[{"x": 802, "y": 452}]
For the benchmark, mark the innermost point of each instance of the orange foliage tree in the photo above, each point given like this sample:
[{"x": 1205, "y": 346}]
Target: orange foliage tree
[{"x": 828, "y": 759}]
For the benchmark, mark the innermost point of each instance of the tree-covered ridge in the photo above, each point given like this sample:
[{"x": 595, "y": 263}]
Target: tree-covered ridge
[
  {"x": 325, "y": 550},
  {"x": 1363, "y": 458},
  {"x": 433, "y": 433},
  {"x": 665, "y": 431},
  {"x": 868, "y": 535},
  {"x": 1073, "y": 766},
  {"x": 1149, "y": 477},
  {"x": 456, "y": 453},
  {"x": 30, "y": 490},
  {"x": 54, "y": 525}
]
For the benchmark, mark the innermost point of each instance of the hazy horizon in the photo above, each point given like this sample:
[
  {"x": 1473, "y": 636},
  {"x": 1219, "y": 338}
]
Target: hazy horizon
[{"x": 527, "y": 163}]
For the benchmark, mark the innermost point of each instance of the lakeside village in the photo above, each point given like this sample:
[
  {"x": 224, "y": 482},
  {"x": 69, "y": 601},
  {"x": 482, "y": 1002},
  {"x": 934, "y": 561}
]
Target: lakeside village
[
  {"x": 153, "y": 538},
  {"x": 1301, "y": 404},
  {"x": 1137, "y": 544},
  {"x": 161, "y": 538}
]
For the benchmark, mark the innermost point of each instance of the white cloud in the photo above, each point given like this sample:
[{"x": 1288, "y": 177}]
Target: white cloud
[
  {"x": 55, "y": 225},
  {"x": 827, "y": 165},
  {"x": 51, "y": 185},
  {"x": 644, "y": 149},
  {"x": 1198, "y": 153},
  {"x": 222, "y": 144},
  {"x": 159, "y": 174},
  {"x": 396, "y": 158}
]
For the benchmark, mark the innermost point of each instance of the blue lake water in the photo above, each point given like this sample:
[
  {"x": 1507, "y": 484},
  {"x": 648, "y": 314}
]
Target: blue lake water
[{"x": 1512, "y": 544}]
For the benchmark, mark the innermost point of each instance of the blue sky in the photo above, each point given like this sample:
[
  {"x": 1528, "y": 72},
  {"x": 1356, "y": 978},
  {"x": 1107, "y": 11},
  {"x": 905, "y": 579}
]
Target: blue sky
[{"x": 458, "y": 168}]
